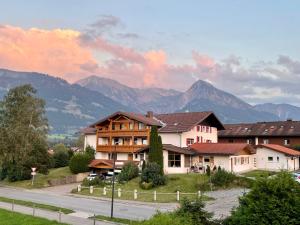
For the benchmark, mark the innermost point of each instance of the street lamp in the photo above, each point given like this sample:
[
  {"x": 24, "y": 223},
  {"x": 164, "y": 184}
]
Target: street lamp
[{"x": 113, "y": 181}]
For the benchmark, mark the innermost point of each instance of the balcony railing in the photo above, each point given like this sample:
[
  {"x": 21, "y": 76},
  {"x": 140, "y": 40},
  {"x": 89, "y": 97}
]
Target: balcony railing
[
  {"x": 123, "y": 133},
  {"x": 119, "y": 148}
]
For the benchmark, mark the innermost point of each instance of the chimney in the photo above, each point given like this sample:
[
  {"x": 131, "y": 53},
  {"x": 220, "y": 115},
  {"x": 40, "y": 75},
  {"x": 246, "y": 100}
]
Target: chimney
[{"x": 149, "y": 114}]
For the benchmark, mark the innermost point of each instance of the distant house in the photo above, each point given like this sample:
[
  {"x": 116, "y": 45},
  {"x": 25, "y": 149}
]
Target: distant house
[
  {"x": 286, "y": 133},
  {"x": 276, "y": 157},
  {"x": 235, "y": 158}
]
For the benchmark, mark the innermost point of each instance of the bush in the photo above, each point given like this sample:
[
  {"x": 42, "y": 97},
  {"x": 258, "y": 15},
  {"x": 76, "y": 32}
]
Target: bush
[
  {"x": 129, "y": 171},
  {"x": 207, "y": 170},
  {"x": 89, "y": 150},
  {"x": 222, "y": 178},
  {"x": 273, "y": 200},
  {"x": 79, "y": 163},
  {"x": 95, "y": 182},
  {"x": 152, "y": 174},
  {"x": 18, "y": 172},
  {"x": 61, "y": 158}
]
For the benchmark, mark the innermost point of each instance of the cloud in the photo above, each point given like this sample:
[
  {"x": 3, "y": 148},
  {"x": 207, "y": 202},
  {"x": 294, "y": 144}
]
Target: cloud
[{"x": 72, "y": 55}]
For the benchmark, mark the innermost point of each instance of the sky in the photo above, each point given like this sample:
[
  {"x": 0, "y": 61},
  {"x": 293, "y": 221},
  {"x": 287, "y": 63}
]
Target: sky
[{"x": 248, "y": 48}]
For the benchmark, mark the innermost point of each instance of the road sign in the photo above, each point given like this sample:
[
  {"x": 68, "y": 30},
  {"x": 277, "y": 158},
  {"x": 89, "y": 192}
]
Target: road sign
[{"x": 33, "y": 169}]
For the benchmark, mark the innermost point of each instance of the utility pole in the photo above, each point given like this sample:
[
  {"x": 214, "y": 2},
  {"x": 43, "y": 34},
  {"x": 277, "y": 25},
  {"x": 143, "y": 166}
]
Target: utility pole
[{"x": 113, "y": 181}]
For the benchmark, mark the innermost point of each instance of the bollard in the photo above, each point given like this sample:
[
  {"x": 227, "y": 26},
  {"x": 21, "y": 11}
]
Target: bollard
[
  {"x": 94, "y": 219},
  {"x": 33, "y": 210},
  {"x": 199, "y": 194},
  {"x": 13, "y": 205},
  {"x": 104, "y": 191},
  {"x": 59, "y": 216},
  {"x": 154, "y": 196},
  {"x": 91, "y": 189},
  {"x": 135, "y": 194},
  {"x": 177, "y": 196},
  {"x": 79, "y": 188},
  {"x": 119, "y": 192}
]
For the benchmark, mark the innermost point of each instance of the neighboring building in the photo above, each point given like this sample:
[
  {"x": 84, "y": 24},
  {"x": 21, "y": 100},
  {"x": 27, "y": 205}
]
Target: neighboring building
[
  {"x": 235, "y": 158},
  {"x": 185, "y": 129},
  {"x": 276, "y": 157},
  {"x": 286, "y": 133},
  {"x": 90, "y": 138}
]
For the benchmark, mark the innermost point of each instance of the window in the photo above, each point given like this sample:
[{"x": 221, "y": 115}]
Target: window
[
  {"x": 111, "y": 155},
  {"x": 270, "y": 159},
  {"x": 266, "y": 141},
  {"x": 189, "y": 141},
  {"x": 136, "y": 156},
  {"x": 286, "y": 141},
  {"x": 113, "y": 126},
  {"x": 206, "y": 160},
  {"x": 235, "y": 161},
  {"x": 144, "y": 141},
  {"x": 249, "y": 141},
  {"x": 174, "y": 159},
  {"x": 142, "y": 156},
  {"x": 198, "y": 139},
  {"x": 131, "y": 125},
  {"x": 141, "y": 126},
  {"x": 277, "y": 158},
  {"x": 187, "y": 161},
  {"x": 198, "y": 128},
  {"x": 122, "y": 126},
  {"x": 242, "y": 160}
]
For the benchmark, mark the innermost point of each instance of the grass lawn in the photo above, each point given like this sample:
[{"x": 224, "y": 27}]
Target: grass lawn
[
  {"x": 117, "y": 220},
  {"x": 36, "y": 205},
  {"x": 259, "y": 173},
  {"x": 185, "y": 183},
  {"x": 14, "y": 218},
  {"x": 41, "y": 180}
]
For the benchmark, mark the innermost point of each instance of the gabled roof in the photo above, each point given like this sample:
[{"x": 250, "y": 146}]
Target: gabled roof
[
  {"x": 135, "y": 116},
  {"x": 276, "y": 128},
  {"x": 221, "y": 149},
  {"x": 88, "y": 130},
  {"x": 171, "y": 148},
  {"x": 281, "y": 149},
  {"x": 183, "y": 122}
]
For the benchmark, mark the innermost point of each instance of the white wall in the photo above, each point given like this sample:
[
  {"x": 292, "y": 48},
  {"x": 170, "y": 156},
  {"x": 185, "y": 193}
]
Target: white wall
[
  {"x": 284, "y": 162},
  {"x": 171, "y": 138},
  {"x": 173, "y": 170},
  {"x": 90, "y": 140},
  {"x": 239, "y": 167}
]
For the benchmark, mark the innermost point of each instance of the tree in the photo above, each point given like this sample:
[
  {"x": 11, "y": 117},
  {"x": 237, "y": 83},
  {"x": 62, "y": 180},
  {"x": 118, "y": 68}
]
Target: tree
[
  {"x": 271, "y": 201},
  {"x": 79, "y": 163},
  {"x": 90, "y": 151},
  {"x": 156, "y": 148},
  {"x": 23, "y": 131},
  {"x": 60, "y": 147},
  {"x": 61, "y": 158}
]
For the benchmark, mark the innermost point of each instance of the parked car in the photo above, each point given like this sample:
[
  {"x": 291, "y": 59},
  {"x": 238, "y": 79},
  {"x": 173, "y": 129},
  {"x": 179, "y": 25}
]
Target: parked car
[
  {"x": 296, "y": 176},
  {"x": 91, "y": 176}
]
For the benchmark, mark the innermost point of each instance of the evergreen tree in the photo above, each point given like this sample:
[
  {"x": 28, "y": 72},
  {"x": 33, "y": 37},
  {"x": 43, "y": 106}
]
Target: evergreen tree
[
  {"x": 23, "y": 131},
  {"x": 156, "y": 148}
]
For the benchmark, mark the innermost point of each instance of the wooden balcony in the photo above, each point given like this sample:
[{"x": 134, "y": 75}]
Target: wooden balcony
[
  {"x": 123, "y": 133},
  {"x": 119, "y": 148}
]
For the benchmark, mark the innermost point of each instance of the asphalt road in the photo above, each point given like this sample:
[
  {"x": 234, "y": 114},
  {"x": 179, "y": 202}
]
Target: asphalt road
[{"x": 126, "y": 210}]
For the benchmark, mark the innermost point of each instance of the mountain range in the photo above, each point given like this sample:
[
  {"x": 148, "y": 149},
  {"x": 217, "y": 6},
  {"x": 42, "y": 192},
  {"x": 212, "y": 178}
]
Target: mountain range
[{"x": 70, "y": 107}]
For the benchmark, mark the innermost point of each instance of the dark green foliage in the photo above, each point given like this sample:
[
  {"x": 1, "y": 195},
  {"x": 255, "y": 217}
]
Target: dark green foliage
[
  {"x": 79, "y": 163},
  {"x": 129, "y": 171},
  {"x": 156, "y": 148},
  {"x": 167, "y": 219},
  {"x": 60, "y": 147},
  {"x": 271, "y": 201},
  {"x": 95, "y": 182},
  {"x": 23, "y": 134},
  {"x": 61, "y": 158},
  {"x": 143, "y": 165},
  {"x": 207, "y": 170},
  {"x": 89, "y": 150},
  {"x": 152, "y": 175},
  {"x": 222, "y": 178},
  {"x": 195, "y": 211},
  {"x": 296, "y": 147},
  {"x": 219, "y": 168}
]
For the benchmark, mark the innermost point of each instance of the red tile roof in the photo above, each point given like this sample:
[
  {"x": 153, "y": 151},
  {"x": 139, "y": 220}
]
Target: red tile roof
[
  {"x": 277, "y": 128},
  {"x": 182, "y": 122},
  {"x": 281, "y": 149},
  {"x": 220, "y": 148}
]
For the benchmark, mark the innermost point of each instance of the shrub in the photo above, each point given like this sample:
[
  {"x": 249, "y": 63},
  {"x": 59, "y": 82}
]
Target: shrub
[
  {"x": 79, "y": 163},
  {"x": 152, "y": 174},
  {"x": 129, "y": 171},
  {"x": 273, "y": 200},
  {"x": 61, "y": 158},
  {"x": 16, "y": 172},
  {"x": 222, "y": 178},
  {"x": 95, "y": 182},
  {"x": 89, "y": 150},
  {"x": 207, "y": 170}
]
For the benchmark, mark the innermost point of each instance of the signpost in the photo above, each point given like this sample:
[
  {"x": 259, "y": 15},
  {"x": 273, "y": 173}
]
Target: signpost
[{"x": 33, "y": 173}]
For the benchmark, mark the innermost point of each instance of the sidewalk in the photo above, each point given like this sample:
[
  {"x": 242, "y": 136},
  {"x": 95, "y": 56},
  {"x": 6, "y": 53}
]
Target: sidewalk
[{"x": 63, "y": 218}]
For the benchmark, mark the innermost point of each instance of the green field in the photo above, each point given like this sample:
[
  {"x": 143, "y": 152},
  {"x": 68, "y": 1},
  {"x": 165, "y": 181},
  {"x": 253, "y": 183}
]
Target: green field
[
  {"x": 41, "y": 180},
  {"x": 36, "y": 205},
  {"x": 14, "y": 218},
  {"x": 185, "y": 183}
]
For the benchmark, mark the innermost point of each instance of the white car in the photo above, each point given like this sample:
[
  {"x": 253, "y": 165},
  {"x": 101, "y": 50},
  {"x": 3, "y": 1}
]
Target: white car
[
  {"x": 92, "y": 176},
  {"x": 296, "y": 176}
]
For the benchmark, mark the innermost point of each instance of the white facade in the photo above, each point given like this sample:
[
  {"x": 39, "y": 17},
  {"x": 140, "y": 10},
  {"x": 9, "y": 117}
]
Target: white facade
[
  {"x": 201, "y": 134},
  {"x": 268, "y": 159},
  {"x": 90, "y": 140},
  {"x": 173, "y": 169}
]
